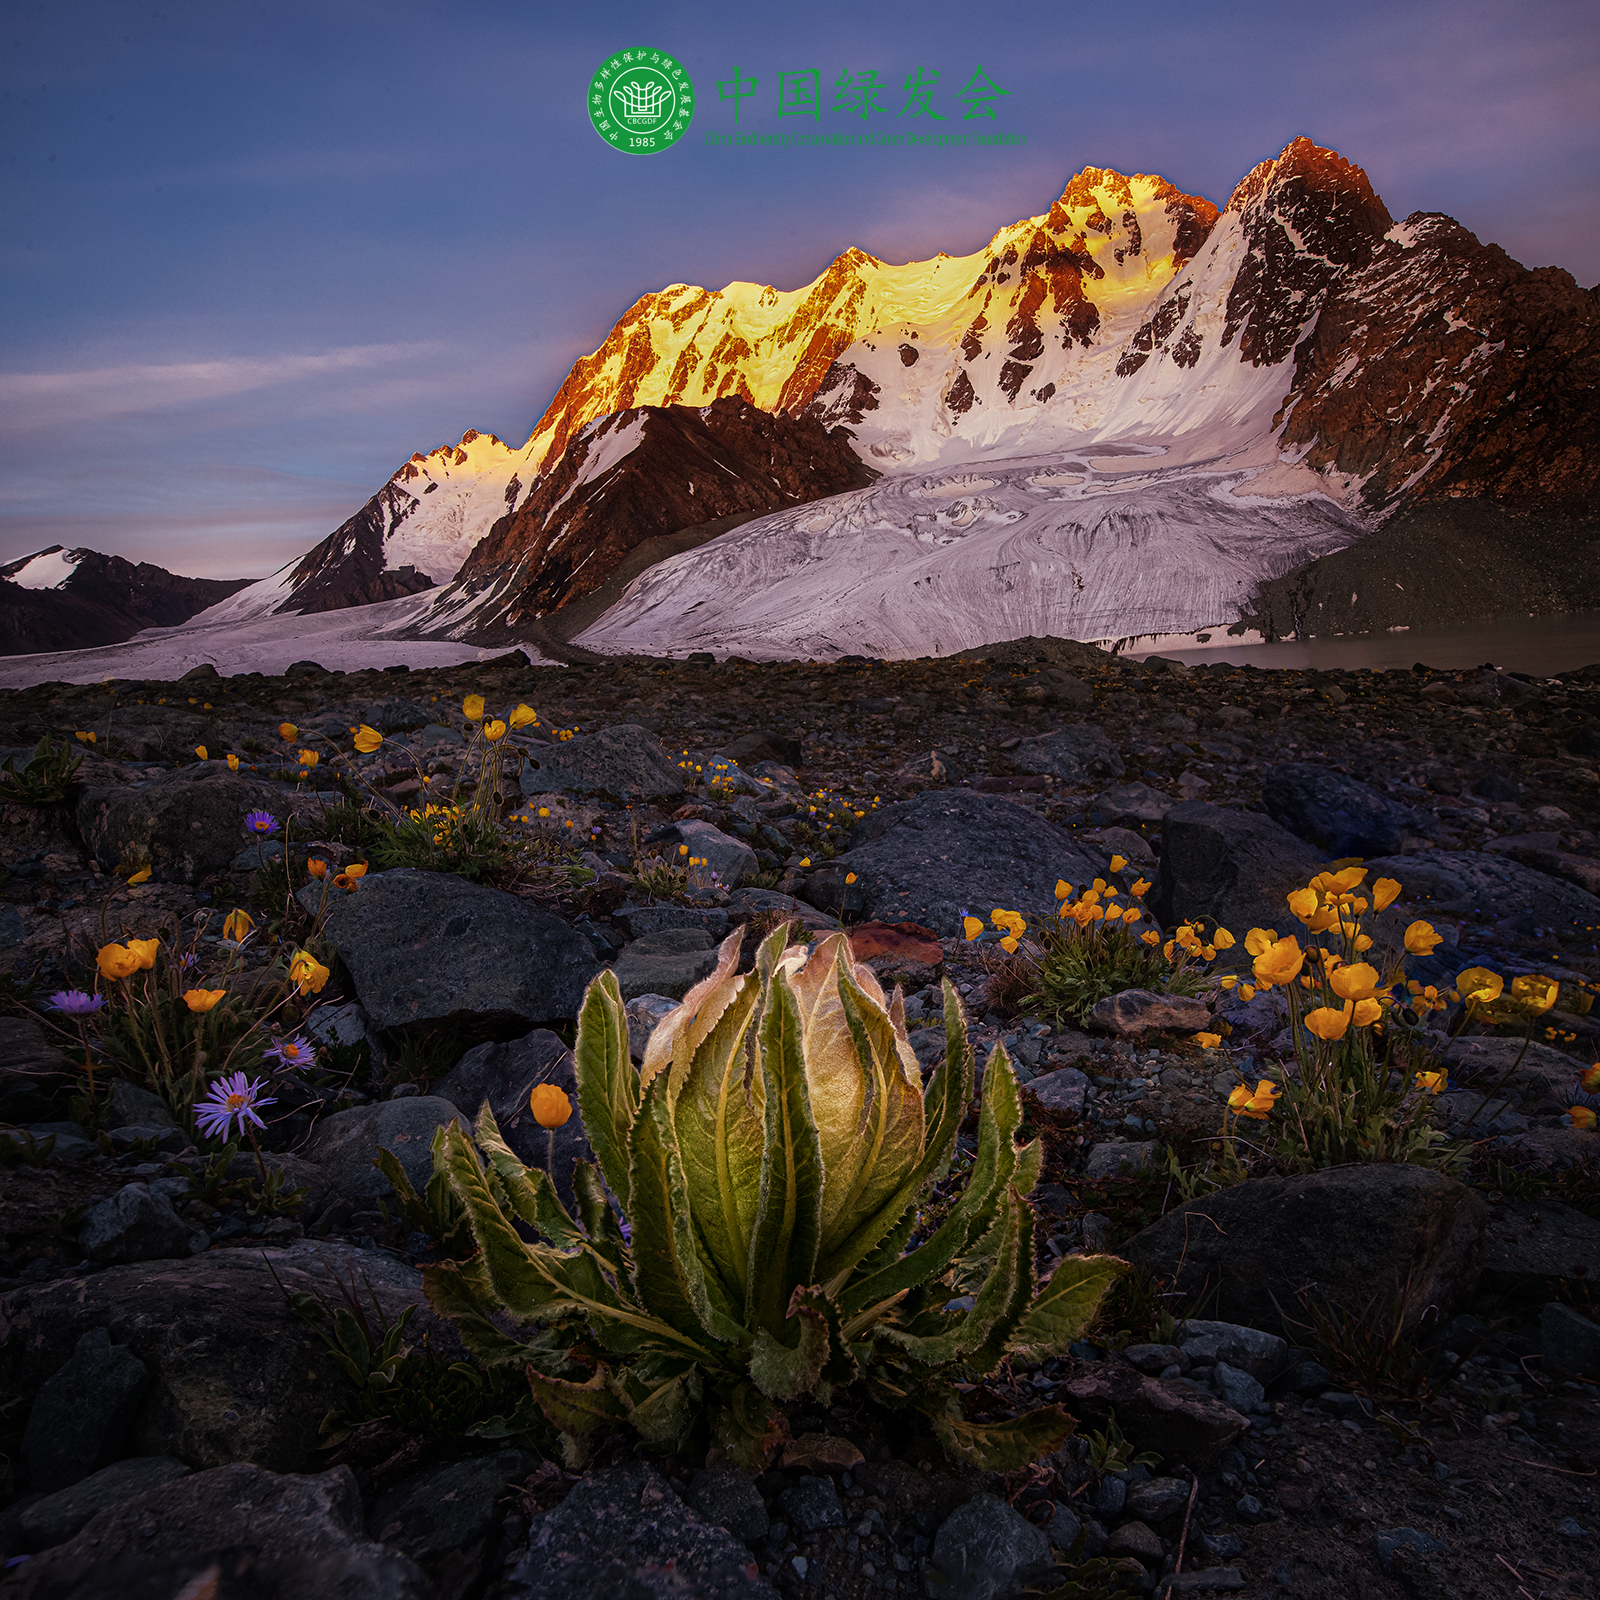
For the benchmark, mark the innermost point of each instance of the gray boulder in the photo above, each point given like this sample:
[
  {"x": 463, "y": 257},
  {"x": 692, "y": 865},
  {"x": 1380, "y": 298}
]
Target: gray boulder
[
  {"x": 345, "y": 1145},
  {"x": 56, "y": 1517},
  {"x": 133, "y": 1225},
  {"x": 187, "y": 823},
  {"x": 731, "y": 859},
  {"x": 503, "y": 1076},
  {"x": 1107, "y": 1160},
  {"x": 933, "y": 858},
  {"x": 1262, "y": 1355},
  {"x": 128, "y": 1104},
  {"x": 1529, "y": 1245},
  {"x": 1234, "y": 866},
  {"x": 645, "y": 1012},
  {"x": 1129, "y": 804},
  {"x": 1468, "y": 882},
  {"x": 449, "y": 1507},
  {"x": 234, "y": 1530},
  {"x": 82, "y": 1416},
  {"x": 1338, "y": 814},
  {"x": 985, "y": 1550},
  {"x": 626, "y": 762},
  {"x": 1135, "y": 1011},
  {"x": 428, "y": 946},
  {"x": 234, "y": 1374},
  {"x": 1065, "y": 1089},
  {"x": 1173, "y": 1418},
  {"x": 625, "y": 1532},
  {"x": 1075, "y": 755},
  {"x": 670, "y": 962},
  {"x": 1354, "y": 1234}
]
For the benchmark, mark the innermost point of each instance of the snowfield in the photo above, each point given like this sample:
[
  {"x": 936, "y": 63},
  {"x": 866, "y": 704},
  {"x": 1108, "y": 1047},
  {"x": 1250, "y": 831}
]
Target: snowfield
[
  {"x": 1091, "y": 546},
  {"x": 341, "y": 641}
]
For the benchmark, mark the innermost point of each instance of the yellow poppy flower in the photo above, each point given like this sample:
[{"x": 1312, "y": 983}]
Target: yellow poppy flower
[
  {"x": 367, "y": 739},
  {"x": 472, "y": 708},
  {"x": 116, "y": 961},
  {"x": 141, "y": 876},
  {"x": 1581, "y": 1117},
  {"x": 308, "y": 758},
  {"x": 1304, "y": 904},
  {"x": 1063, "y": 889},
  {"x": 1280, "y": 962},
  {"x": 202, "y": 999},
  {"x": 1150, "y": 936},
  {"x": 1208, "y": 1041},
  {"x": 237, "y": 925},
  {"x": 523, "y": 716},
  {"x": 549, "y": 1105},
  {"x": 1432, "y": 1082},
  {"x": 1384, "y": 893},
  {"x": 1329, "y": 1024},
  {"x": 1421, "y": 939},
  {"x": 1118, "y": 863},
  {"x": 495, "y": 731},
  {"x": 200, "y": 750},
  {"x": 1359, "y": 982},
  {"x": 1589, "y": 1078},
  {"x": 307, "y": 973},
  {"x": 145, "y": 951},
  {"x": 1223, "y": 940},
  {"x": 1480, "y": 984},
  {"x": 1260, "y": 940},
  {"x": 1367, "y": 1012},
  {"x": 288, "y": 732}
]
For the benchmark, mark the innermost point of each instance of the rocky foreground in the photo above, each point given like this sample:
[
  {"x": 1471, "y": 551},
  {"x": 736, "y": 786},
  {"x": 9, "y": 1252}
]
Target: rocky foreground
[{"x": 161, "y": 1402}]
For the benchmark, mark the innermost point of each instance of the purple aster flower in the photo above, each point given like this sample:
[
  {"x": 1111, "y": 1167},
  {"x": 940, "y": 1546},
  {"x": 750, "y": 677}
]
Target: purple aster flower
[
  {"x": 75, "y": 1003},
  {"x": 187, "y": 961},
  {"x": 262, "y": 822},
  {"x": 627, "y": 1229},
  {"x": 296, "y": 1052},
  {"x": 230, "y": 1099}
]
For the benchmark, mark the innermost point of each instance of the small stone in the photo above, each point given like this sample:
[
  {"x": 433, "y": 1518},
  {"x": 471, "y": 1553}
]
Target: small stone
[
  {"x": 1063, "y": 1527},
  {"x": 1136, "y": 1011},
  {"x": 1389, "y": 1540},
  {"x": 812, "y": 1505},
  {"x": 1110, "y": 1497},
  {"x": 1223, "y": 1546},
  {"x": 986, "y": 1541},
  {"x": 1214, "y": 1580},
  {"x": 1065, "y": 1089},
  {"x": 133, "y": 1225},
  {"x": 1251, "y": 1509},
  {"x": 1307, "y": 1377},
  {"x": 1569, "y": 1528},
  {"x": 1157, "y": 1499},
  {"x": 1107, "y": 1160},
  {"x": 1137, "y": 1540},
  {"x": 1239, "y": 1389},
  {"x": 644, "y": 1013}
]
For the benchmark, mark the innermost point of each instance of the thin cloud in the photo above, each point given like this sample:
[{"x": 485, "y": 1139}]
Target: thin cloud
[{"x": 34, "y": 399}]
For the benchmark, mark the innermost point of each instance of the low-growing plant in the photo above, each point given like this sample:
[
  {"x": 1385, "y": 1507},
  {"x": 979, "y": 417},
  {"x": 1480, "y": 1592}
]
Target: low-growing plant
[
  {"x": 1110, "y": 1452},
  {"x": 434, "y": 1401},
  {"x": 20, "y": 1148},
  {"x": 772, "y": 1159},
  {"x": 1094, "y": 947},
  {"x": 1380, "y": 1348},
  {"x": 45, "y": 775}
]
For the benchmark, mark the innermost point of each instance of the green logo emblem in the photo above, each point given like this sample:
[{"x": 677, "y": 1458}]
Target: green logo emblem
[{"x": 640, "y": 101}]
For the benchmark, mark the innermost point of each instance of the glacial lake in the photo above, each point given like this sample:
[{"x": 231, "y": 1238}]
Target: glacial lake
[{"x": 1543, "y": 647}]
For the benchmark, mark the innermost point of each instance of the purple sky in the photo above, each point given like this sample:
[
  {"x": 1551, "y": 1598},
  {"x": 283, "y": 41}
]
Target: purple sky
[{"x": 255, "y": 256}]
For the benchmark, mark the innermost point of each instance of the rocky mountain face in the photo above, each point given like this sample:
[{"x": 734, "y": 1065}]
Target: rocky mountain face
[
  {"x": 60, "y": 599},
  {"x": 412, "y": 534},
  {"x": 1199, "y": 404},
  {"x": 1440, "y": 368},
  {"x": 635, "y": 475}
]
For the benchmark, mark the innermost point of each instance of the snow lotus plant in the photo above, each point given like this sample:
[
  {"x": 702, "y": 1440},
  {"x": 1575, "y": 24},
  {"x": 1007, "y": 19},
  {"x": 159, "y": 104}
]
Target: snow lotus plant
[{"x": 777, "y": 1158}]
